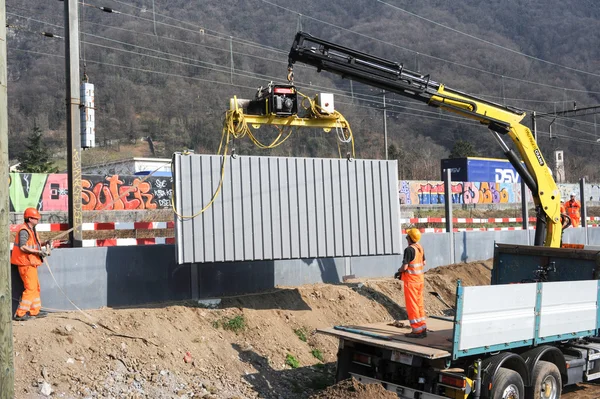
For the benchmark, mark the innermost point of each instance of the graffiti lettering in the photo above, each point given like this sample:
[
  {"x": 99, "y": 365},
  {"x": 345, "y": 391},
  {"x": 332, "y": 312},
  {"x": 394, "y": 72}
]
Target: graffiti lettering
[
  {"x": 50, "y": 192},
  {"x": 506, "y": 176},
  {"x": 464, "y": 193},
  {"x": 25, "y": 190}
]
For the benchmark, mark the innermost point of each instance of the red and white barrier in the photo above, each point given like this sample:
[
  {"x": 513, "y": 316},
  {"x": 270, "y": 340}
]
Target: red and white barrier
[
  {"x": 460, "y": 229},
  {"x": 466, "y": 220},
  {"x": 46, "y": 227}
]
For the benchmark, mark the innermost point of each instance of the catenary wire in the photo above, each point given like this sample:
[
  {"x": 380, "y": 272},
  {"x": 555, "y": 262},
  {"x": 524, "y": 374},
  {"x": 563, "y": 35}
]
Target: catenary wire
[
  {"x": 450, "y": 118},
  {"x": 372, "y": 38},
  {"x": 488, "y": 42},
  {"x": 427, "y": 55}
]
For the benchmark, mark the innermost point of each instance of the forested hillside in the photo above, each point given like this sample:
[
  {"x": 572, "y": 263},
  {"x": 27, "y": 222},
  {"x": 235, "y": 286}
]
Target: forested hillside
[{"x": 169, "y": 74}]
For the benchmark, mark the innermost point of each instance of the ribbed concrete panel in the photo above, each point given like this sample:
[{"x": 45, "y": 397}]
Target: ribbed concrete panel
[{"x": 285, "y": 208}]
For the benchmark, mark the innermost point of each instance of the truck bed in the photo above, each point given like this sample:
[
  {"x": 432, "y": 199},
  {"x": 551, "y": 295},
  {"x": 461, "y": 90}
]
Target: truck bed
[
  {"x": 437, "y": 344},
  {"x": 494, "y": 318}
]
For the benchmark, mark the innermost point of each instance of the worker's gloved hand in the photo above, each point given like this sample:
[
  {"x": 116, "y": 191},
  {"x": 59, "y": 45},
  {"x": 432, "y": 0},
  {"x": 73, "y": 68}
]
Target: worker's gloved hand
[
  {"x": 46, "y": 252},
  {"x": 397, "y": 275}
]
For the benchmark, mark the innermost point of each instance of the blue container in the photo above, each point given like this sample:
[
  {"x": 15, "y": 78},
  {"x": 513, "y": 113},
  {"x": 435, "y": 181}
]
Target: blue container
[{"x": 480, "y": 170}]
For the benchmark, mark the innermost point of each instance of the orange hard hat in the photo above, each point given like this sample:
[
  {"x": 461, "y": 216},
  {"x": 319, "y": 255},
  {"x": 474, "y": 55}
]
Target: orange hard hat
[
  {"x": 31, "y": 213},
  {"x": 414, "y": 234}
]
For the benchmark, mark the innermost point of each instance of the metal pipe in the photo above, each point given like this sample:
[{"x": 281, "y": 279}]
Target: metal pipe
[
  {"x": 477, "y": 372},
  {"x": 516, "y": 163},
  {"x": 448, "y": 208},
  {"x": 583, "y": 215},
  {"x": 525, "y": 210}
]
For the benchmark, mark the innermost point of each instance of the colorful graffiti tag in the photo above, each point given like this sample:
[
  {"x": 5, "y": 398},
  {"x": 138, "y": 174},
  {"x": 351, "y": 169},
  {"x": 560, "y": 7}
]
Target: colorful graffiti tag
[
  {"x": 432, "y": 192},
  {"x": 412, "y": 192},
  {"x": 49, "y": 192}
]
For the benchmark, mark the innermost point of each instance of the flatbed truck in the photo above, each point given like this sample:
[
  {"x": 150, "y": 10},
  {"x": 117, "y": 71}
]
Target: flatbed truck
[{"x": 522, "y": 337}]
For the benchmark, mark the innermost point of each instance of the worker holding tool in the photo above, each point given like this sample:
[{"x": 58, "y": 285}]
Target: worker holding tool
[
  {"x": 412, "y": 273},
  {"x": 27, "y": 255},
  {"x": 572, "y": 208}
]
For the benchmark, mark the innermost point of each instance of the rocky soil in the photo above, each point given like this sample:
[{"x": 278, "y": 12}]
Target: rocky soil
[{"x": 253, "y": 346}]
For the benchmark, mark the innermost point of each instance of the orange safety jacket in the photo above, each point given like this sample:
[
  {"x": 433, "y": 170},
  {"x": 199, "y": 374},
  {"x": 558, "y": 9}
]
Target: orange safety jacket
[
  {"x": 415, "y": 272},
  {"x": 573, "y": 209},
  {"x": 21, "y": 258}
]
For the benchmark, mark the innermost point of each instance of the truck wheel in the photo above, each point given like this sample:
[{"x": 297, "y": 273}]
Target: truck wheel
[
  {"x": 547, "y": 382},
  {"x": 507, "y": 384}
]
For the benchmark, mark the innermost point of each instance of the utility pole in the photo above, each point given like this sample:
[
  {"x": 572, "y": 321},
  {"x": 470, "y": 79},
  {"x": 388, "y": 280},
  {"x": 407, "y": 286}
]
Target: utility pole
[
  {"x": 73, "y": 121},
  {"x": 565, "y": 114},
  {"x": 7, "y": 365}
]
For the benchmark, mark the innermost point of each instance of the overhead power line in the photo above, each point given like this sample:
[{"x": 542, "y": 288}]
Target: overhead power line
[
  {"x": 227, "y": 83},
  {"x": 341, "y": 28},
  {"x": 218, "y": 68},
  {"x": 487, "y": 41},
  {"x": 224, "y": 36}
]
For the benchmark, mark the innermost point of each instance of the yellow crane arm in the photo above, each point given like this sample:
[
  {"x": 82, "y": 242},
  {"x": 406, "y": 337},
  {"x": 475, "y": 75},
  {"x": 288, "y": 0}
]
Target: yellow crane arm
[{"x": 500, "y": 119}]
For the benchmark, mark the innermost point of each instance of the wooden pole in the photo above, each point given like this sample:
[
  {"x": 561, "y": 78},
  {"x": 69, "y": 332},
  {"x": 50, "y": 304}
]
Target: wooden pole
[{"x": 7, "y": 366}]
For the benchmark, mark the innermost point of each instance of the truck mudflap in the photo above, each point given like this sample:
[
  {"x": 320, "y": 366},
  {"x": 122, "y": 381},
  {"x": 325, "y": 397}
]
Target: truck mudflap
[{"x": 402, "y": 391}]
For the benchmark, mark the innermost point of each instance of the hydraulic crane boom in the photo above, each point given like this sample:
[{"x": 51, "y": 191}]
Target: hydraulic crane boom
[{"x": 500, "y": 119}]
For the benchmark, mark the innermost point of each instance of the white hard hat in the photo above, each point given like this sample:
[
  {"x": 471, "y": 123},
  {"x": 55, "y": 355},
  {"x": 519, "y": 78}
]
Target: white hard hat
[{"x": 572, "y": 193}]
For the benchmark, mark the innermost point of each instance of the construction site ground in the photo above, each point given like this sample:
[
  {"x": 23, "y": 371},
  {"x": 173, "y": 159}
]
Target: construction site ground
[{"x": 253, "y": 346}]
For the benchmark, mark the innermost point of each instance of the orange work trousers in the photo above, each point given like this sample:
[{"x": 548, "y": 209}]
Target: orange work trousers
[
  {"x": 30, "y": 300},
  {"x": 413, "y": 294},
  {"x": 575, "y": 221}
]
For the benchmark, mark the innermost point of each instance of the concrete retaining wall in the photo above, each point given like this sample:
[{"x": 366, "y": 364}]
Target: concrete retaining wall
[
  {"x": 110, "y": 276},
  {"x": 137, "y": 275}
]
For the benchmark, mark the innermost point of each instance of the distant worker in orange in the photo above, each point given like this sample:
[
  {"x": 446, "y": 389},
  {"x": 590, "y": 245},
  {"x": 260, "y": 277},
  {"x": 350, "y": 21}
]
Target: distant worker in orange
[
  {"x": 412, "y": 273},
  {"x": 572, "y": 207},
  {"x": 27, "y": 255}
]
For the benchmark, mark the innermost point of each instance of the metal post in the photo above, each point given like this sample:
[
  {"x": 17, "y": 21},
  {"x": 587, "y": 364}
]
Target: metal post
[
  {"x": 385, "y": 142},
  {"x": 73, "y": 121},
  {"x": 525, "y": 210},
  {"x": 582, "y": 200},
  {"x": 7, "y": 366},
  {"x": 448, "y": 207},
  {"x": 534, "y": 126}
]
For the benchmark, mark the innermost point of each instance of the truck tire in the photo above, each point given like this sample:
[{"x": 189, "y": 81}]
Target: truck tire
[
  {"x": 546, "y": 381},
  {"x": 507, "y": 384}
]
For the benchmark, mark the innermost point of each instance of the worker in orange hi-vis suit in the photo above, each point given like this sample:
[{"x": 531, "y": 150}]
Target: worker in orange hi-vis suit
[
  {"x": 413, "y": 276},
  {"x": 572, "y": 207},
  {"x": 27, "y": 255}
]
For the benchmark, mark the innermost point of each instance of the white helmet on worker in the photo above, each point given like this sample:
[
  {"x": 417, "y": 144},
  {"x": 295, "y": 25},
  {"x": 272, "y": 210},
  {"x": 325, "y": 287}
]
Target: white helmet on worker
[
  {"x": 414, "y": 234},
  {"x": 572, "y": 193}
]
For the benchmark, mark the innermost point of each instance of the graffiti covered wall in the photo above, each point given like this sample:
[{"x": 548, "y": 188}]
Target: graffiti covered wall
[
  {"x": 414, "y": 192},
  {"x": 432, "y": 192},
  {"x": 49, "y": 192}
]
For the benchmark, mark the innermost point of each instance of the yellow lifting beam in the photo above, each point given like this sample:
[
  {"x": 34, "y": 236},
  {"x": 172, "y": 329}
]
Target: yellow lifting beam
[{"x": 326, "y": 123}]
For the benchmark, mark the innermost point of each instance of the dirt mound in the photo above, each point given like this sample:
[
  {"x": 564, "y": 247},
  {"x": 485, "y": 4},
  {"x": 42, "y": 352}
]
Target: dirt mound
[
  {"x": 352, "y": 389},
  {"x": 261, "y": 345}
]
